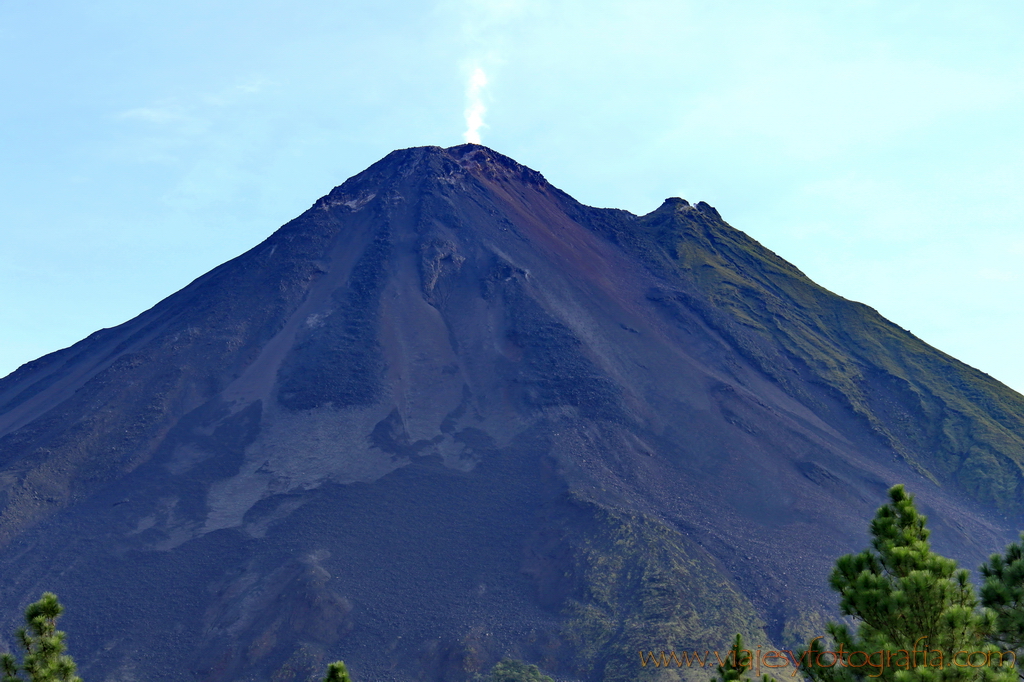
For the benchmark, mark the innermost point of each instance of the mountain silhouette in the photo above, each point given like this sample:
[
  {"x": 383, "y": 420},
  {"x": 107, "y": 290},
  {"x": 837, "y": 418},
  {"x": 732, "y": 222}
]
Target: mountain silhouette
[{"x": 449, "y": 415}]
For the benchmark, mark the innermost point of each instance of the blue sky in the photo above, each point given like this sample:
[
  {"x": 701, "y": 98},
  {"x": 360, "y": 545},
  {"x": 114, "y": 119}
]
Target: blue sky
[{"x": 876, "y": 145}]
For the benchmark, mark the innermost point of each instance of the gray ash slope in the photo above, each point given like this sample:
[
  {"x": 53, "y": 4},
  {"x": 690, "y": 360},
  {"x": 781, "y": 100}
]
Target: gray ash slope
[{"x": 449, "y": 414}]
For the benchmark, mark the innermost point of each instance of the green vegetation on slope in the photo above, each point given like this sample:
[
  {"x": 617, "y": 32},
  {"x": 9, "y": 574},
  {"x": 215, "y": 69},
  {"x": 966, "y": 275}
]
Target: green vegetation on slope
[
  {"x": 511, "y": 670},
  {"x": 644, "y": 586},
  {"x": 951, "y": 422}
]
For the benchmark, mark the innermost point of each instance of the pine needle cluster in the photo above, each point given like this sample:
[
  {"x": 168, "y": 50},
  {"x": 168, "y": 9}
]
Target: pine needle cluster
[
  {"x": 43, "y": 645},
  {"x": 337, "y": 672},
  {"x": 1003, "y": 592},
  {"x": 919, "y": 617},
  {"x": 736, "y": 664}
]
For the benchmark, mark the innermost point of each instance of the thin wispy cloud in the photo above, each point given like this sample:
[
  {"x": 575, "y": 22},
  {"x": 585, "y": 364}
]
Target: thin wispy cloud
[
  {"x": 475, "y": 108},
  {"x": 157, "y": 115},
  {"x": 171, "y": 111}
]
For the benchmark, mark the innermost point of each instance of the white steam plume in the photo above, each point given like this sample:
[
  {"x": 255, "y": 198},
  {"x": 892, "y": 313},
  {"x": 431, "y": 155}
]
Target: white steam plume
[{"x": 475, "y": 108}]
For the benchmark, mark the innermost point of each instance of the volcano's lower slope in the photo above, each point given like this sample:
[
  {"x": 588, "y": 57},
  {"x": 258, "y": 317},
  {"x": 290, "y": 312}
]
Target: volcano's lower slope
[{"x": 449, "y": 414}]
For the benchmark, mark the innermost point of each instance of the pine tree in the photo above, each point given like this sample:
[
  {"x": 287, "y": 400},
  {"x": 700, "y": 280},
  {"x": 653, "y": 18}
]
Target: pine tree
[
  {"x": 737, "y": 662},
  {"x": 1003, "y": 592},
  {"x": 337, "y": 672},
  {"x": 918, "y": 615},
  {"x": 43, "y": 644}
]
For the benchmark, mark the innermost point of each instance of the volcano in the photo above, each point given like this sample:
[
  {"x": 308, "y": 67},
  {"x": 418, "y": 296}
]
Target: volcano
[{"x": 450, "y": 415}]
